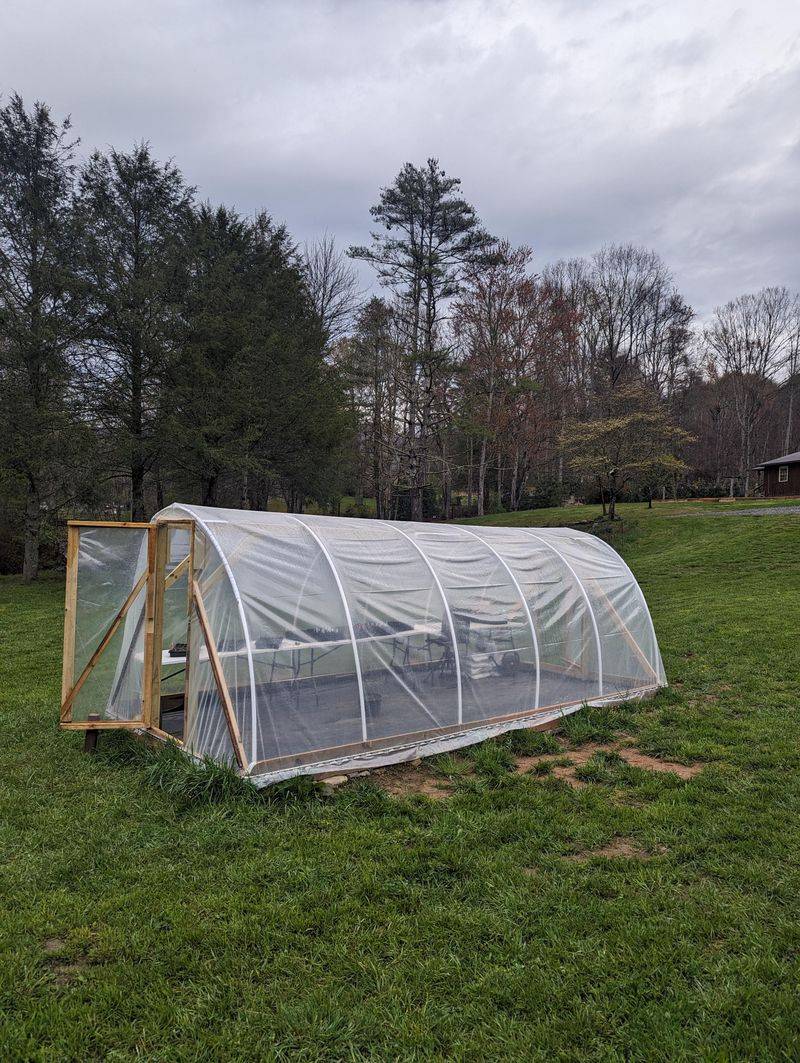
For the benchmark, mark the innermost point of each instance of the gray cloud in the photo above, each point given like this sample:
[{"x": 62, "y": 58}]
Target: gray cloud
[{"x": 571, "y": 123}]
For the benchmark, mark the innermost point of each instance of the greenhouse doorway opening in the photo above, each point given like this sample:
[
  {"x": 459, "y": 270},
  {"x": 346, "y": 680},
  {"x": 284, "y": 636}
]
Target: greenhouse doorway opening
[
  {"x": 285, "y": 644},
  {"x": 173, "y": 572}
]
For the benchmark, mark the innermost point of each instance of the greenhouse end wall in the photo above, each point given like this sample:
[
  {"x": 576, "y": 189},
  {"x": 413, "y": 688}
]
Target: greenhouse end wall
[{"x": 347, "y": 643}]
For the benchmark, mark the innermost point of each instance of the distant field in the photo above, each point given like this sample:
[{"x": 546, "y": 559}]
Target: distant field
[
  {"x": 347, "y": 507},
  {"x": 137, "y": 923},
  {"x": 568, "y": 514}
]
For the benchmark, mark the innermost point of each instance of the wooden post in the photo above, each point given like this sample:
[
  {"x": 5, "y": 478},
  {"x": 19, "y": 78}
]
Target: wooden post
[
  {"x": 189, "y": 611},
  {"x": 157, "y": 551},
  {"x": 70, "y": 601},
  {"x": 91, "y": 736},
  {"x": 219, "y": 678},
  {"x": 147, "y": 661}
]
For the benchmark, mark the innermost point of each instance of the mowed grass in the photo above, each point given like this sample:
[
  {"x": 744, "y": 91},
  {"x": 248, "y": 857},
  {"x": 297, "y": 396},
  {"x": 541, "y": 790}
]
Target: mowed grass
[{"x": 146, "y": 920}]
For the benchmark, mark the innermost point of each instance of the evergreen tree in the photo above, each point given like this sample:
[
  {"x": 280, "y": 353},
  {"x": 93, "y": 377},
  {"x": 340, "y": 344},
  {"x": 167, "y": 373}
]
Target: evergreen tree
[
  {"x": 133, "y": 211},
  {"x": 297, "y": 420},
  {"x": 427, "y": 234},
  {"x": 205, "y": 407},
  {"x": 40, "y": 312},
  {"x": 252, "y": 405}
]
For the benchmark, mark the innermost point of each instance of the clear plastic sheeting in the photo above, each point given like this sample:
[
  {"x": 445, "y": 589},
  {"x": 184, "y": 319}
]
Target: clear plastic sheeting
[
  {"x": 346, "y": 641},
  {"x": 111, "y": 561}
]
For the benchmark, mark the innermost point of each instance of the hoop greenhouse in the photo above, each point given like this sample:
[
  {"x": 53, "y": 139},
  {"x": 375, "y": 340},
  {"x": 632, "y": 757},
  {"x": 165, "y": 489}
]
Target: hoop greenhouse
[{"x": 286, "y": 644}]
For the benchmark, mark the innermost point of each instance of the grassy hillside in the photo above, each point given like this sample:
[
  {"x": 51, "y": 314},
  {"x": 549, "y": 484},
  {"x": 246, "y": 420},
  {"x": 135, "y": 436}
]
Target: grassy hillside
[{"x": 139, "y": 923}]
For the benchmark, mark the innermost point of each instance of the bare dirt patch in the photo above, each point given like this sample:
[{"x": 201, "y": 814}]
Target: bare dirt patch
[
  {"x": 65, "y": 974},
  {"x": 567, "y": 775},
  {"x": 400, "y": 780},
  {"x": 64, "y": 971},
  {"x": 583, "y": 754},
  {"x": 617, "y": 849},
  {"x": 642, "y": 760},
  {"x": 560, "y": 770},
  {"x": 416, "y": 777}
]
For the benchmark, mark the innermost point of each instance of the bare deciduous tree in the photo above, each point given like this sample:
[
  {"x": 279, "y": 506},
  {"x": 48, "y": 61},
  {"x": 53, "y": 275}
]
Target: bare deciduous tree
[
  {"x": 751, "y": 340},
  {"x": 332, "y": 286}
]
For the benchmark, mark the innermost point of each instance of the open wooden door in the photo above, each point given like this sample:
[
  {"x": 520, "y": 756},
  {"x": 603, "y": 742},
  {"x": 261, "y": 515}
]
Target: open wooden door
[
  {"x": 132, "y": 595},
  {"x": 120, "y": 576}
]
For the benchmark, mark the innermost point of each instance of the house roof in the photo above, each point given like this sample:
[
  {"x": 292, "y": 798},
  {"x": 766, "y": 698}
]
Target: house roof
[{"x": 787, "y": 459}]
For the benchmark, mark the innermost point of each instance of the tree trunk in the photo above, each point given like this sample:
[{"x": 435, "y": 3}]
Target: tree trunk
[
  {"x": 482, "y": 478},
  {"x": 447, "y": 497},
  {"x": 788, "y": 438},
  {"x": 137, "y": 489},
  {"x": 377, "y": 479},
  {"x": 159, "y": 490},
  {"x": 470, "y": 474},
  {"x": 415, "y": 502},
  {"x": 209, "y": 488},
  {"x": 33, "y": 523},
  {"x": 414, "y": 490},
  {"x": 136, "y": 422}
]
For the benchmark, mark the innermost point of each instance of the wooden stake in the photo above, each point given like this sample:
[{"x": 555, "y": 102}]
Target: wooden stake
[
  {"x": 157, "y": 551},
  {"x": 92, "y": 734}
]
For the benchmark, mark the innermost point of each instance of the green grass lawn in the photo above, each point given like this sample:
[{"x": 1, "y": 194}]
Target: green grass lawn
[{"x": 141, "y": 923}]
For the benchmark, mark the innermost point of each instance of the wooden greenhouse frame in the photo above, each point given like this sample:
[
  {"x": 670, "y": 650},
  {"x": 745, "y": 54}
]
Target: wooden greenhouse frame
[{"x": 153, "y": 581}]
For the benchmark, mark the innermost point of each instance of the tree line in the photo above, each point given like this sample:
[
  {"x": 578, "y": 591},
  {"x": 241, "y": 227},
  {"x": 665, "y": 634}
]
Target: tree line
[
  {"x": 151, "y": 347},
  {"x": 154, "y": 347},
  {"x": 480, "y": 384}
]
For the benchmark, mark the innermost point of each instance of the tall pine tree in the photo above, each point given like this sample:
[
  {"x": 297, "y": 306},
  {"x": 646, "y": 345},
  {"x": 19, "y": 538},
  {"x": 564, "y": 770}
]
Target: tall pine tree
[
  {"x": 40, "y": 313},
  {"x": 427, "y": 232},
  {"x": 133, "y": 211}
]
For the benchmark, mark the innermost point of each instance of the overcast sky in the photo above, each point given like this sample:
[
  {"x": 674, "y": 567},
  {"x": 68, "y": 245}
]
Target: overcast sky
[{"x": 571, "y": 123}]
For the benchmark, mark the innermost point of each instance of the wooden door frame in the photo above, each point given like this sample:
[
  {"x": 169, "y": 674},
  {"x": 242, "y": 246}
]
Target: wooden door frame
[
  {"x": 155, "y": 581},
  {"x": 157, "y": 546},
  {"x": 70, "y": 686}
]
